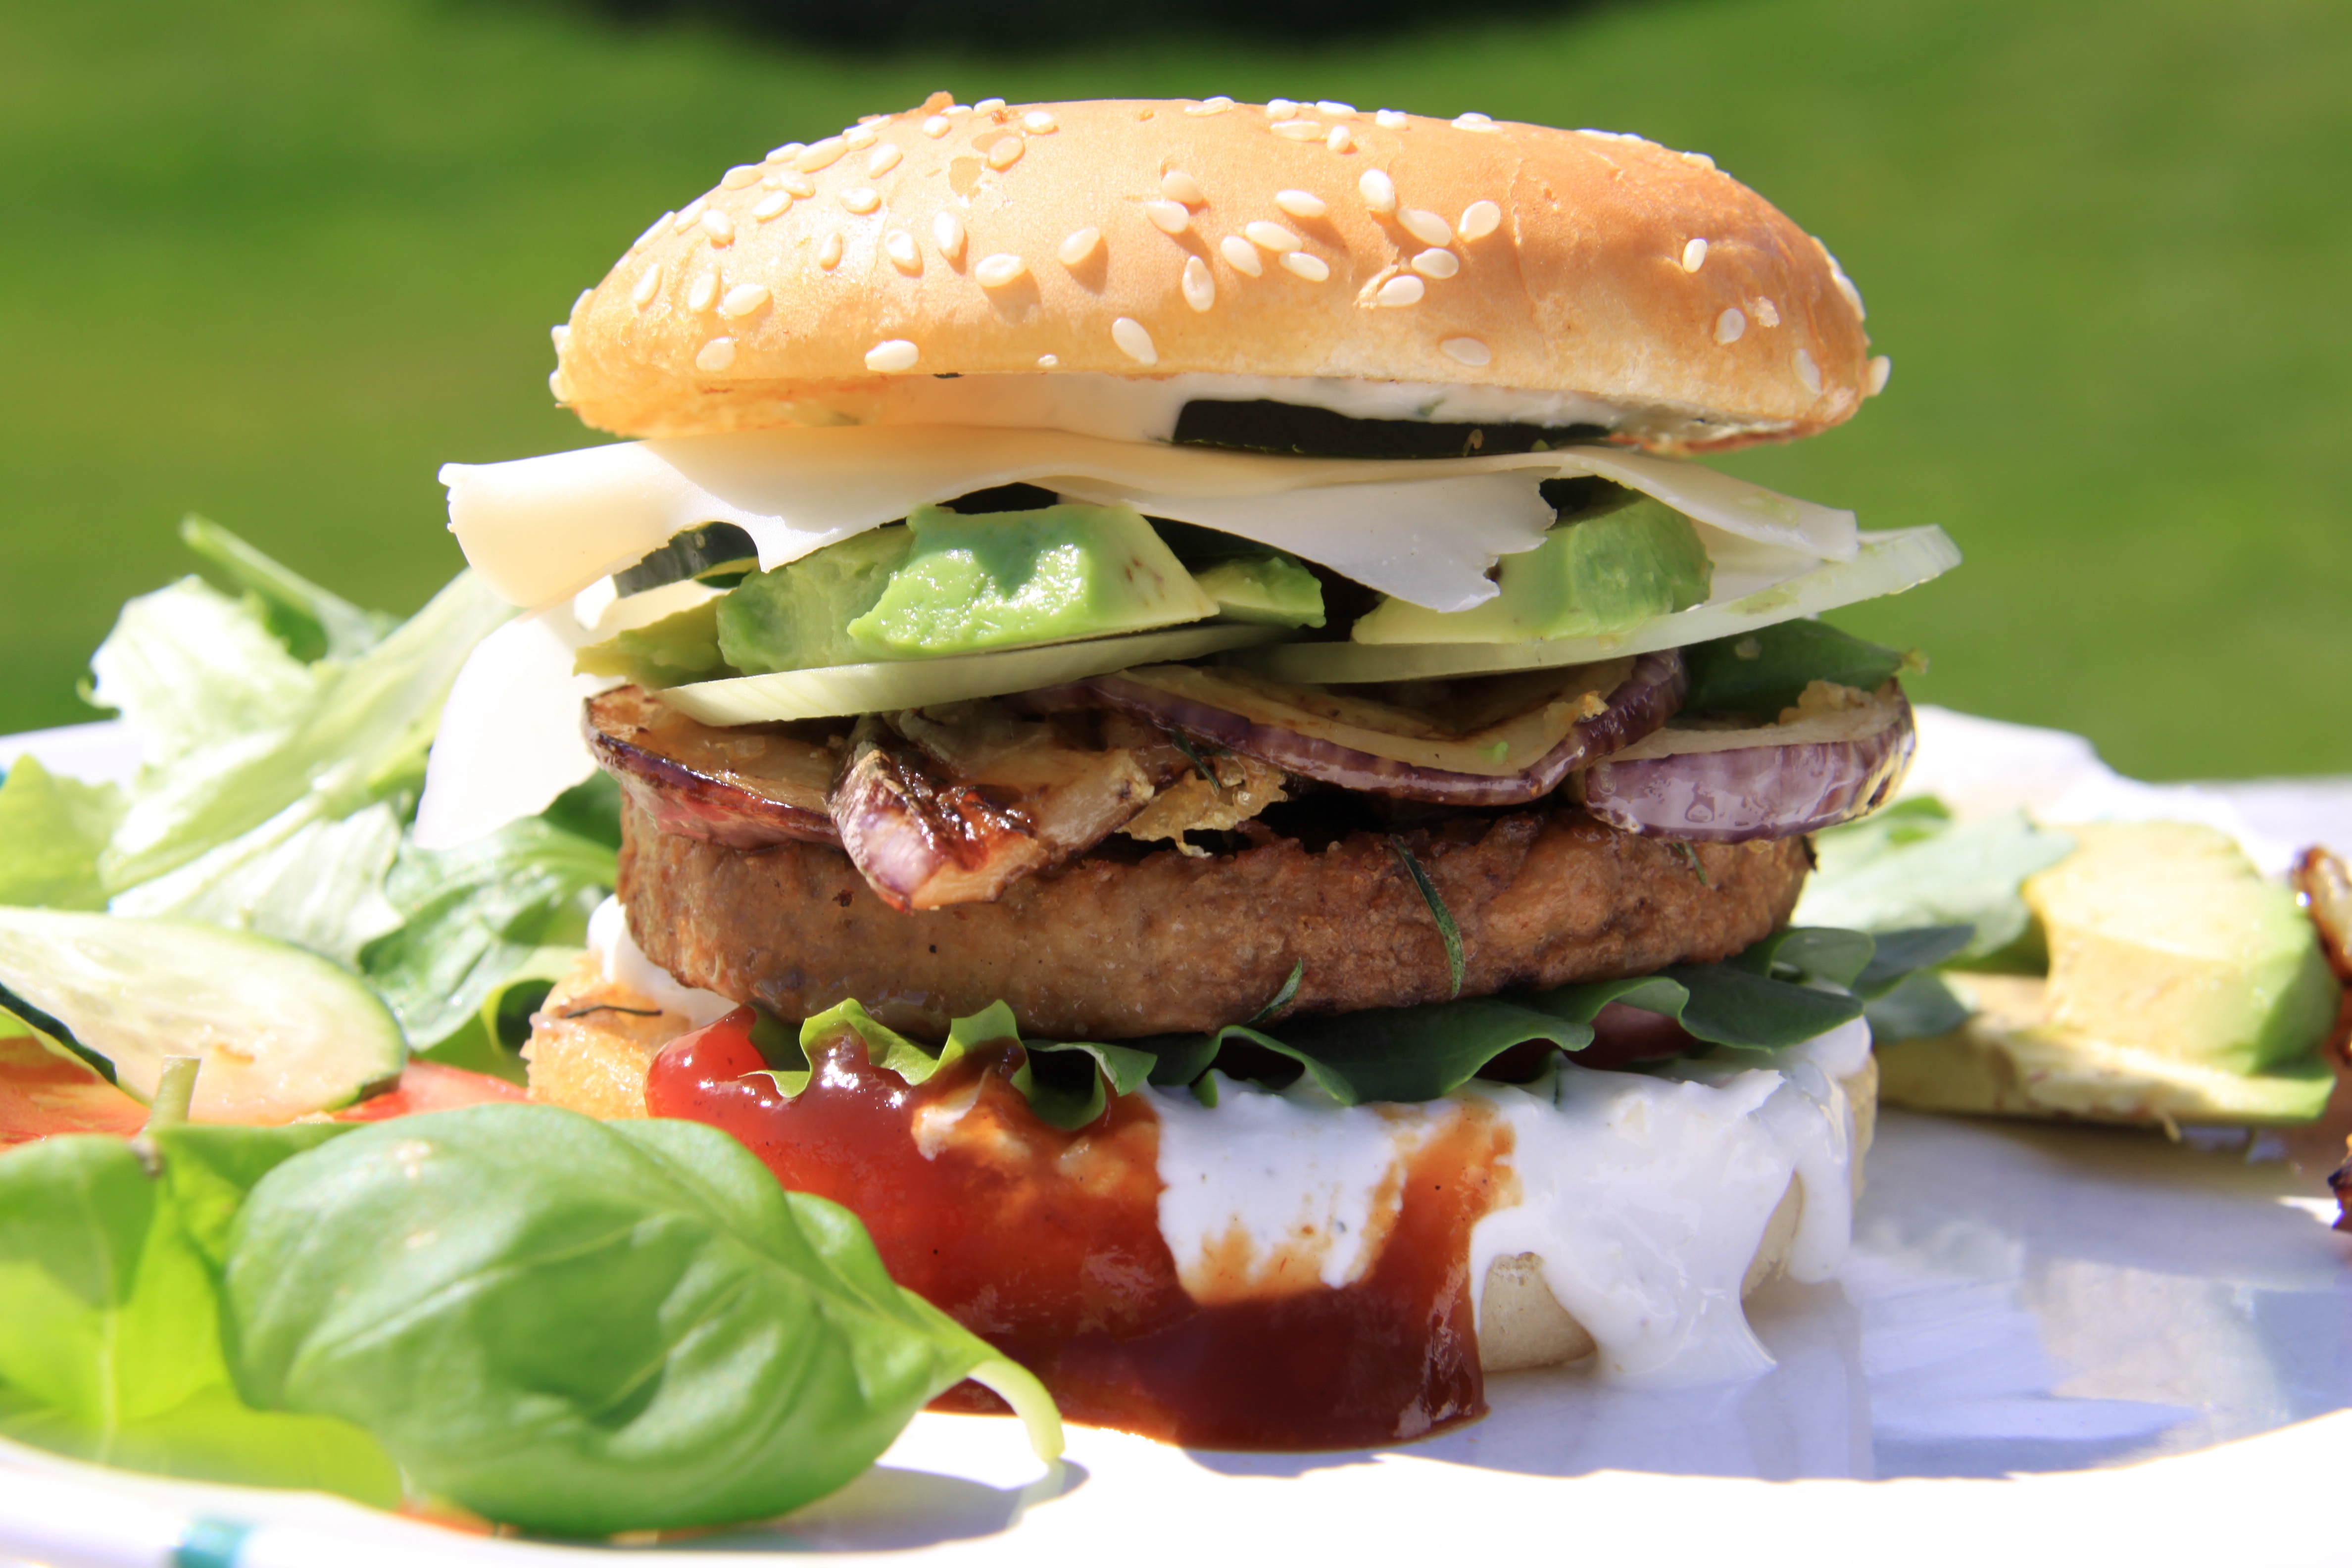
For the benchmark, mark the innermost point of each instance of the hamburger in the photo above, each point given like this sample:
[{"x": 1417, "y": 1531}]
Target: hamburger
[{"x": 1193, "y": 746}]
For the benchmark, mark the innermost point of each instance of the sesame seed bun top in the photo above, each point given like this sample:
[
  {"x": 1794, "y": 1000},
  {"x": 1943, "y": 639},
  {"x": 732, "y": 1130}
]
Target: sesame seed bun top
[{"x": 1145, "y": 239}]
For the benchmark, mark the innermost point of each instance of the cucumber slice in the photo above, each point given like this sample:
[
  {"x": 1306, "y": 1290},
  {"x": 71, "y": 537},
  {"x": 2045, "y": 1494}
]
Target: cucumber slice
[
  {"x": 281, "y": 1032},
  {"x": 840, "y": 691},
  {"x": 1887, "y": 563}
]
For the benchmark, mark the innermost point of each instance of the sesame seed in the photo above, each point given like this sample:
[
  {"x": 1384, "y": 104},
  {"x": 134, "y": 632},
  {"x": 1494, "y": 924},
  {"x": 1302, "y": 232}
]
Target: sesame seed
[
  {"x": 704, "y": 292},
  {"x": 718, "y": 226},
  {"x": 892, "y": 354},
  {"x": 1700, "y": 158},
  {"x": 1241, "y": 255},
  {"x": 687, "y": 215},
  {"x": 1299, "y": 203},
  {"x": 1425, "y": 226},
  {"x": 1767, "y": 313},
  {"x": 936, "y": 126},
  {"x": 860, "y": 199},
  {"x": 1000, "y": 269},
  {"x": 1473, "y": 122},
  {"x": 858, "y": 137},
  {"x": 1336, "y": 111},
  {"x": 1005, "y": 153},
  {"x": 1694, "y": 255},
  {"x": 1038, "y": 122},
  {"x": 655, "y": 228},
  {"x": 1078, "y": 245},
  {"x": 1469, "y": 350},
  {"x": 772, "y": 204},
  {"x": 819, "y": 155},
  {"x": 1168, "y": 217},
  {"x": 556, "y": 334},
  {"x": 988, "y": 106},
  {"x": 583, "y": 297},
  {"x": 1437, "y": 263},
  {"x": 740, "y": 175},
  {"x": 872, "y": 118},
  {"x": 1047, "y": 361},
  {"x": 787, "y": 153},
  {"x": 1377, "y": 190},
  {"x": 900, "y": 247},
  {"x": 1404, "y": 288},
  {"x": 648, "y": 285},
  {"x": 715, "y": 355},
  {"x": 555, "y": 385},
  {"x": 1730, "y": 325},
  {"x": 1479, "y": 219},
  {"x": 828, "y": 252},
  {"x": 1200, "y": 285},
  {"x": 1270, "y": 235},
  {"x": 1314, "y": 269},
  {"x": 1210, "y": 106},
  {"x": 743, "y": 299},
  {"x": 947, "y": 233},
  {"x": 796, "y": 184},
  {"x": 1391, "y": 118},
  {"x": 1299, "y": 130},
  {"x": 1179, "y": 186},
  {"x": 1133, "y": 341},
  {"x": 1808, "y": 374},
  {"x": 882, "y": 160},
  {"x": 1881, "y": 367},
  {"x": 1845, "y": 286},
  {"x": 1280, "y": 108},
  {"x": 1340, "y": 139}
]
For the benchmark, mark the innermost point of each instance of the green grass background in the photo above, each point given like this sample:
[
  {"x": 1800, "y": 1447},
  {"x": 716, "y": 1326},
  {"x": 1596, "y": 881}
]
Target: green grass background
[{"x": 274, "y": 260}]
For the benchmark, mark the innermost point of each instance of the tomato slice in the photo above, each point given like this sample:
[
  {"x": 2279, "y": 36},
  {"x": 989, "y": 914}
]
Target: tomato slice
[
  {"x": 43, "y": 1093},
  {"x": 430, "y": 1086}
]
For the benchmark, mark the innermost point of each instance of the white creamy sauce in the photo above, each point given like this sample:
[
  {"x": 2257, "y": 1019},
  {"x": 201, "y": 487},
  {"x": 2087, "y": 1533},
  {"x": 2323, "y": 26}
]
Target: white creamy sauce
[
  {"x": 543, "y": 529},
  {"x": 624, "y": 963},
  {"x": 1145, "y": 408},
  {"x": 1644, "y": 1196}
]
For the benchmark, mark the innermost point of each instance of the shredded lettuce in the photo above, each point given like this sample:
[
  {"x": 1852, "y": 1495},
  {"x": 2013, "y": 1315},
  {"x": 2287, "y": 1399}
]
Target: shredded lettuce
[{"x": 52, "y": 831}]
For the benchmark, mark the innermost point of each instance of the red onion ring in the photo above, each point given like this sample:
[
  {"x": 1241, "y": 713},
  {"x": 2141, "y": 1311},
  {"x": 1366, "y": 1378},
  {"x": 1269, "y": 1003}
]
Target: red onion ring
[
  {"x": 1765, "y": 790},
  {"x": 1641, "y": 703},
  {"x": 659, "y": 758}
]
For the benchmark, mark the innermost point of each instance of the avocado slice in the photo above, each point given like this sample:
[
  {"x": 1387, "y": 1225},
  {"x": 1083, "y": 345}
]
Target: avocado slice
[
  {"x": 2163, "y": 937},
  {"x": 1592, "y": 576},
  {"x": 1018, "y": 579},
  {"x": 1264, "y": 590},
  {"x": 794, "y": 617},
  {"x": 2003, "y": 1062}
]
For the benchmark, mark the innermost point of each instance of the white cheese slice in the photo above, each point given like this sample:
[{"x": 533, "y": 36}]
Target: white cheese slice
[
  {"x": 541, "y": 528},
  {"x": 510, "y": 739}
]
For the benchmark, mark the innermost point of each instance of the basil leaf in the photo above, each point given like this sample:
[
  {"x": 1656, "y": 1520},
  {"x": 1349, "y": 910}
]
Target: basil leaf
[
  {"x": 1902, "y": 953},
  {"x": 1809, "y": 953},
  {"x": 1394, "y": 1054},
  {"x": 1732, "y": 1007},
  {"x": 110, "y": 1340},
  {"x": 1919, "y": 1006},
  {"x": 474, "y": 916},
  {"x": 644, "y": 1332},
  {"x": 1910, "y": 865}
]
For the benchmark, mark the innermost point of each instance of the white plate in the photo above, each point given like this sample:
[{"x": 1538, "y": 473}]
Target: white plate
[{"x": 2151, "y": 1341}]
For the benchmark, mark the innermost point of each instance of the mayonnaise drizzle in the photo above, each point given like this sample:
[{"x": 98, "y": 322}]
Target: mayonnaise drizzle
[{"x": 1644, "y": 1197}]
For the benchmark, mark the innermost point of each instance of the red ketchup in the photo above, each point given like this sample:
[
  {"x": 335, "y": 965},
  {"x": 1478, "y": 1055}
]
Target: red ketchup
[{"x": 1047, "y": 1244}]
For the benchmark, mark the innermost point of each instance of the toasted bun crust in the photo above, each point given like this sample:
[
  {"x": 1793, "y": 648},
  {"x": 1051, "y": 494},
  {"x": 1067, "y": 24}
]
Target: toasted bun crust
[{"x": 945, "y": 240}]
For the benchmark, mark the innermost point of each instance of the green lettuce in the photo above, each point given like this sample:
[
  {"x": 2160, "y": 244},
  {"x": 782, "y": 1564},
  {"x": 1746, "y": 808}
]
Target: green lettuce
[
  {"x": 52, "y": 831},
  {"x": 1912, "y": 865}
]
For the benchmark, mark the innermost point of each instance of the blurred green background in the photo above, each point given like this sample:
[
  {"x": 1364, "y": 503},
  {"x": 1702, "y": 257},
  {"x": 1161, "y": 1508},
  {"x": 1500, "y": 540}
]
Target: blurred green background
[{"x": 274, "y": 260}]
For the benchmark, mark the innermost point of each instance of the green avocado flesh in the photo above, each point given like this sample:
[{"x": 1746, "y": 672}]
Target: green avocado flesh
[
  {"x": 796, "y": 616},
  {"x": 1264, "y": 590},
  {"x": 1016, "y": 579},
  {"x": 1589, "y": 577},
  {"x": 669, "y": 652},
  {"x": 2183, "y": 987}
]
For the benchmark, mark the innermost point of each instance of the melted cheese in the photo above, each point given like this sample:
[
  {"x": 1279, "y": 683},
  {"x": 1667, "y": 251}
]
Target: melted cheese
[
  {"x": 541, "y": 528},
  {"x": 1644, "y": 1197}
]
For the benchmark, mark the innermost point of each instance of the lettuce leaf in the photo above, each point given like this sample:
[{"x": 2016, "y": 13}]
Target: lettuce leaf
[
  {"x": 312, "y": 623},
  {"x": 1912, "y": 865},
  {"x": 1064, "y": 1082},
  {"x": 52, "y": 831}
]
